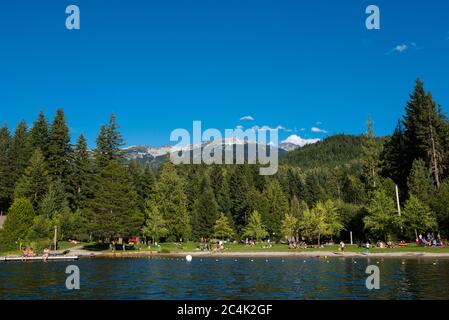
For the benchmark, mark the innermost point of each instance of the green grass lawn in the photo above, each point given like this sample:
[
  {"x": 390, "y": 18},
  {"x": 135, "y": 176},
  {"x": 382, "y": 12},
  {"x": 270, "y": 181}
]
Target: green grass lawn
[
  {"x": 261, "y": 247},
  {"x": 232, "y": 247}
]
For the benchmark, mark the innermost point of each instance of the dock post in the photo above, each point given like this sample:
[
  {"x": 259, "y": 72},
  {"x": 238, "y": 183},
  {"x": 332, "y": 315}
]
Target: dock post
[{"x": 55, "y": 238}]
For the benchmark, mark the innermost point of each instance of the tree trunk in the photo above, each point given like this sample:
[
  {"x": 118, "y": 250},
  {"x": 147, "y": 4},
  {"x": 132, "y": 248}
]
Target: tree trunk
[{"x": 434, "y": 160}]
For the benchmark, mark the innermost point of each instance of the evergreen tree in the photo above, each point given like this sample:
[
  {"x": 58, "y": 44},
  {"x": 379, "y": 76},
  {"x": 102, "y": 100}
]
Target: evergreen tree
[
  {"x": 5, "y": 169},
  {"x": 155, "y": 226},
  {"x": 295, "y": 208},
  {"x": 34, "y": 183},
  {"x": 81, "y": 179},
  {"x": 41, "y": 228},
  {"x": 220, "y": 185},
  {"x": 59, "y": 150},
  {"x": 382, "y": 219},
  {"x": 370, "y": 158},
  {"x": 113, "y": 212},
  {"x": 102, "y": 152},
  {"x": 420, "y": 182},
  {"x": 238, "y": 190},
  {"x": 222, "y": 227},
  {"x": 394, "y": 160},
  {"x": 55, "y": 200},
  {"x": 148, "y": 182},
  {"x": 171, "y": 200},
  {"x": 277, "y": 208},
  {"x": 205, "y": 211},
  {"x": 417, "y": 217},
  {"x": 255, "y": 228},
  {"x": 424, "y": 132},
  {"x": 314, "y": 187},
  {"x": 109, "y": 142},
  {"x": 20, "y": 220},
  {"x": 135, "y": 174},
  {"x": 19, "y": 154},
  {"x": 39, "y": 135}
]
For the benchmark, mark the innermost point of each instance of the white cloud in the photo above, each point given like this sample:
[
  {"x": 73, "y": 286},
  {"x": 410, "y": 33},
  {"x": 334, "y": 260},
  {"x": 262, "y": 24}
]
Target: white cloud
[
  {"x": 267, "y": 128},
  {"x": 318, "y": 130},
  {"x": 297, "y": 140},
  {"x": 239, "y": 127},
  {"x": 399, "y": 48},
  {"x": 247, "y": 118}
]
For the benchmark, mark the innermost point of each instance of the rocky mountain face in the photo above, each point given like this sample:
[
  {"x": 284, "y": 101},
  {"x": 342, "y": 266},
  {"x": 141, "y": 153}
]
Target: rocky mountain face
[{"x": 147, "y": 154}]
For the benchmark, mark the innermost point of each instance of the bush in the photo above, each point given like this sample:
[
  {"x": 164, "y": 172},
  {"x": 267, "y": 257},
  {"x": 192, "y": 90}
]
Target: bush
[{"x": 40, "y": 245}]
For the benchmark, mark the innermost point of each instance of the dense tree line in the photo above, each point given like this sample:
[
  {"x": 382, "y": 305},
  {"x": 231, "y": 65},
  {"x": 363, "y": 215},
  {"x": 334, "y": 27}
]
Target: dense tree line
[{"x": 322, "y": 191}]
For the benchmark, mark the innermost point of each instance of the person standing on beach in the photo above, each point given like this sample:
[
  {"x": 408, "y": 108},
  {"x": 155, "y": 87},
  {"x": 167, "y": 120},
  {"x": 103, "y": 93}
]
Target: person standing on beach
[{"x": 342, "y": 246}]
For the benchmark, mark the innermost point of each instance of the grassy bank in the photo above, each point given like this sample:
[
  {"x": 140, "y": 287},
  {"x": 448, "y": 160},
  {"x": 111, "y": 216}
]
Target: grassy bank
[{"x": 262, "y": 247}]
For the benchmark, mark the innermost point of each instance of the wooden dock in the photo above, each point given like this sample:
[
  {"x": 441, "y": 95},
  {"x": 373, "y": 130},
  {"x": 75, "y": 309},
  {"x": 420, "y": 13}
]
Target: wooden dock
[{"x": 38, "y": 258}]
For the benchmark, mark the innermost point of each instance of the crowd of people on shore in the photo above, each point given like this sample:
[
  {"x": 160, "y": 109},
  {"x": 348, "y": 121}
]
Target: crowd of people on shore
[{"x": 429, "y": 240}]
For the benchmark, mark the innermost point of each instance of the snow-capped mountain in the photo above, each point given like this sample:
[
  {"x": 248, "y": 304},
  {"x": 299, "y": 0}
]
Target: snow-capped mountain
[{"x": 148, "y": 153}]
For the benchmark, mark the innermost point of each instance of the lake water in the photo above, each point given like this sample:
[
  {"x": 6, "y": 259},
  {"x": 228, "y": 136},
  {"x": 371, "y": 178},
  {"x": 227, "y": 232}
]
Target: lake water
[{"x": 207, "y": 278}]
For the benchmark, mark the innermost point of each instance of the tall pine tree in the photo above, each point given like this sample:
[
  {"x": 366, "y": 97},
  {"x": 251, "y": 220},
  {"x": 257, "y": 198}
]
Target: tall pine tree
[
  {"x": 19, "y": 154},
  {"x": 59, "y": 149},
  {"x": 205, "y": 210},
  {"x": 5, "y": 169},
  {"x": 81, "y": 179},
  {"x": 39, "y": 135},
  {"x": 109, "y": 142},
  {"x": 113, "y": 212},
  {"x": 35, "y": 181},
  {"x": 171, "y": 200}
]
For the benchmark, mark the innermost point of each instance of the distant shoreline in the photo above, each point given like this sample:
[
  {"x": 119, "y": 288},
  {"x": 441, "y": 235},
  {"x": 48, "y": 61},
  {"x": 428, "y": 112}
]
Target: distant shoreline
[{"x": 305, "y": 254}]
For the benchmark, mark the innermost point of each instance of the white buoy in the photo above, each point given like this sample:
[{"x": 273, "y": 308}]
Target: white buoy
[{"x": 189, "y": 258}]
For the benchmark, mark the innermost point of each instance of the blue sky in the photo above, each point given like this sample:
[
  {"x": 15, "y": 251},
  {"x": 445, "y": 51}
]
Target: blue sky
[{"x": 159, "y": 65}]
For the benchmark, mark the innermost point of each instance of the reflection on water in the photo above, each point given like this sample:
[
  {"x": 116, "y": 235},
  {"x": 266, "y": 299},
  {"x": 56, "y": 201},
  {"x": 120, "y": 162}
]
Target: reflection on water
[{"x": 277, "y": 278}]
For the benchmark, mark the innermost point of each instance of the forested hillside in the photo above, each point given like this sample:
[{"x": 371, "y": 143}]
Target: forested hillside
[
  {"x": 333, "y": 151},
  {"x": 322, "y": 191}
]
